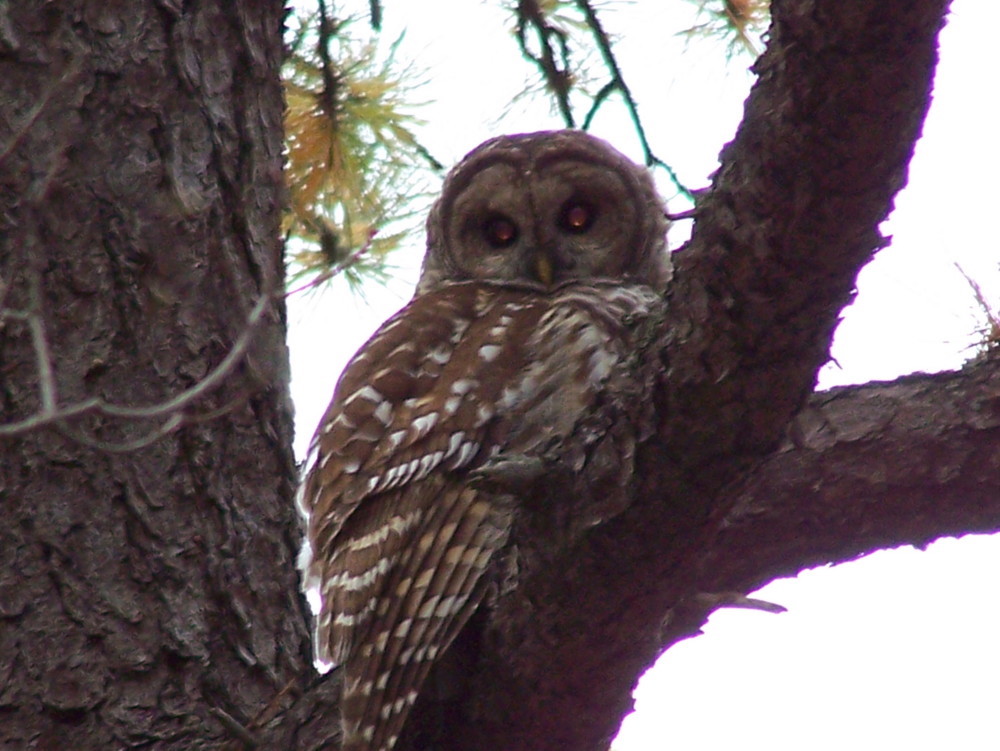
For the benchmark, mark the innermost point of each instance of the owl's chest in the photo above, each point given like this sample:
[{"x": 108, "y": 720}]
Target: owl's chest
[{"x": 471, "y": 370}]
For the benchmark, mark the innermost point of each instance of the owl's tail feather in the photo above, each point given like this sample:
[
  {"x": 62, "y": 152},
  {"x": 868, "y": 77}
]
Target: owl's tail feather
[{"x": 429, "y": 595}]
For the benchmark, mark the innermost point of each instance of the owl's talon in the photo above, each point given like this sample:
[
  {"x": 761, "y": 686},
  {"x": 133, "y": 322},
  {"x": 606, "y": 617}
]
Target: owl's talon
[{"x": 510, "y": 472}]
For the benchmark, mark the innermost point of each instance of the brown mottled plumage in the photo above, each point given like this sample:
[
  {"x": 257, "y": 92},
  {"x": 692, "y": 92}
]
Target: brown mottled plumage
[{"x": 542, "y": 252}]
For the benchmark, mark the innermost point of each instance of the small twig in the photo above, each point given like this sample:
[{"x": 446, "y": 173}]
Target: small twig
[
  {"x": 433, "y": 162},
  {"x": 331, "y": 81},
  {"x": 42, "y": 419},
  {"x": 218, "y": 412},
  {"x": 738, "y": 600},
  {"x": 618, "y": 82},
  {"x": 244, "y": 733},
  {"x": 28, "y": 120},
  {"x": 235, "y": 727},
  {"x": 991, "y": 331},
  {"x": 556, "y": 77},
  {"x": 172, "y": 423},
  {"x": 689, "y": 214},
  {"x": 50, "y": 414},
  {"x": 216, "y": 376},
  {"x": 375, "y": 14},
  {"x": 338, "y": 269},
  {"x": 606, "y": 90},
  {"x": 43, "y": 357},
  {"x": 271, "y": 709},
  {"x": 171, "y": 410}
]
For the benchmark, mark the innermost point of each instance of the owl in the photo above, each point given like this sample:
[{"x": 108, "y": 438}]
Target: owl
[{"x": 543, "y": 252}]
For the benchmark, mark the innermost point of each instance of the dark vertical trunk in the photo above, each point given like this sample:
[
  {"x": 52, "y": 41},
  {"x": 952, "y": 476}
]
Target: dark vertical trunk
[{"x": 145, "y": 595}]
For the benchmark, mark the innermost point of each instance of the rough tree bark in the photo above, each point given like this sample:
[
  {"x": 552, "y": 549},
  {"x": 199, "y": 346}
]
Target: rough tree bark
[{"x": 148, "y": 597}]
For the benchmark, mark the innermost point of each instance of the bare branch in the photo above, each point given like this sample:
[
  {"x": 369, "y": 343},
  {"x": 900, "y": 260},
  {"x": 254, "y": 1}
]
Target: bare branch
[
  {"x": 171, "y": 424},
  {"x": 245, "y": 737},
  {"x": 21, "y": 129},
  {"x": 52, "y": 414},
  {"x": 618, "y": 82},
  {"x": 375, "y": 14},
  {"x": 172, "y": 409},
  {"x": 991, "y": 328},
  {"x": 874, "y": 466},
  {"x": 338, "y": 269},
  {"x": 43, "y": 357},
  {"x": 554, "y": 67},
  {"x": 865, "y": 467}
]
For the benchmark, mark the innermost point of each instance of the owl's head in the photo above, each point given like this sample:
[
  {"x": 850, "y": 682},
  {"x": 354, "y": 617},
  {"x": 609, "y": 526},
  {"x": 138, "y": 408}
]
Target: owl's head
[{"x": 543, "y": 209}]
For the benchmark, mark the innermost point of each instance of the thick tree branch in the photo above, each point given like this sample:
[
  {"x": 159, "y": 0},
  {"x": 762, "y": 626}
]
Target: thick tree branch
[
  {"x": 794, "y": 209},
  {"x": 870, "y": 467},
  {"x": 792, "y": 216},
  {"x": 863, "y": 468}
]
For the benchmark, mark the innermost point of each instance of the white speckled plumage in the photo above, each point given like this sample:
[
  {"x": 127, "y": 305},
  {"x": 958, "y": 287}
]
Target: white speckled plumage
[{"x": 542, "y": 251}]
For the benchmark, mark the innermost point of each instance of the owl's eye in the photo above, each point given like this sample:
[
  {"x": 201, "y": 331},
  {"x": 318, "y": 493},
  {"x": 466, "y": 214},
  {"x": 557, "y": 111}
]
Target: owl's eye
[
  {"x": 499, "y": 232},
  {"x": 577, "y": 216}
]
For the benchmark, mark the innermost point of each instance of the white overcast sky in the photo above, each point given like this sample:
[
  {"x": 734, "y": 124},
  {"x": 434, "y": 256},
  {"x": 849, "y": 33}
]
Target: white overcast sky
[{"x": 900, "y": 649}]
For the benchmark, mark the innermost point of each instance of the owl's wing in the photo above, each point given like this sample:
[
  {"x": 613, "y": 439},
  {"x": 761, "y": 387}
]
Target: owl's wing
[
  {"x": 428, "y": 594},
  {"x": 397, "y": 541},
  {"x": 382, "y": 432}
]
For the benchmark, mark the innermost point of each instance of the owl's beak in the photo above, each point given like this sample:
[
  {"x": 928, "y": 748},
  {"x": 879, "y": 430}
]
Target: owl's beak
[{"x": 543, "y": 269}]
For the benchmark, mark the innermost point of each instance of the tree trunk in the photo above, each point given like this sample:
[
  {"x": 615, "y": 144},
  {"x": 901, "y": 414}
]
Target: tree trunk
[
  {"x": 147, "y": 596},
  {"x": 147, "y": 588}
]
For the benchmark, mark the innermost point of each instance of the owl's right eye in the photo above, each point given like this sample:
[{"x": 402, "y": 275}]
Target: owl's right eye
[{"x": 499, "y": 232}]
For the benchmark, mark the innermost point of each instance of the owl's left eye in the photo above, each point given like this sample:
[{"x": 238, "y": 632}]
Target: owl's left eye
[{"x": 577, "y": 216}]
